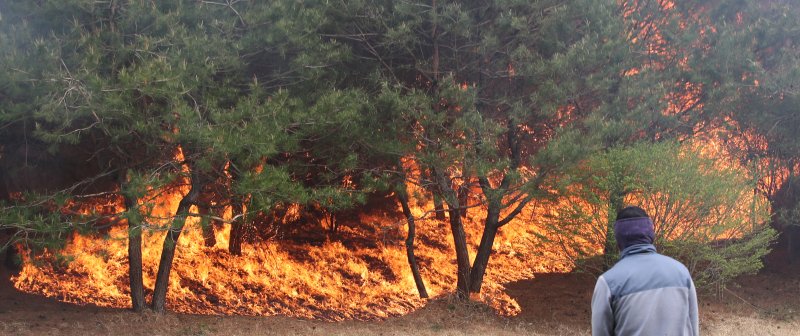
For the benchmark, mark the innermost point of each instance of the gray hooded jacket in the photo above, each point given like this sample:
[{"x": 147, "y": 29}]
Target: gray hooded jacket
[{"x": 645, "y": 293}]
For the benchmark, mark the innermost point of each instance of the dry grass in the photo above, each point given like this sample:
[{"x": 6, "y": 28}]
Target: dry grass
[
  {"x": 751, "y": 325},
  {"x": 436, "y": 319},
  {"x": 440, "y": 317},
  {"x": 551, "y": 305}
]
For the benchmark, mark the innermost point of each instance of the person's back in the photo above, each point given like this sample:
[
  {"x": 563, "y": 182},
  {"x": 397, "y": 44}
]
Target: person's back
[{"x": 645, "y": 293}]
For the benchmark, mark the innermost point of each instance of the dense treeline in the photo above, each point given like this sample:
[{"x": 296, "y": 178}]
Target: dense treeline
[{"x": 251, "y": 105}]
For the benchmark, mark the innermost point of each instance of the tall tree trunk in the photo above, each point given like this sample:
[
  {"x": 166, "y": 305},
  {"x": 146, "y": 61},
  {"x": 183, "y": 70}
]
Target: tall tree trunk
[
  {"x": 333, "y": 225},
  {"x": 462, "y": 253},
  {"x": 402, "y": 196},
  {"x": 463, "y": 193},
  {"x": 12, "y": 259},
  {"x": 438, "y": 207},
  {"x": 171, "y": 241},
  {"x": 237, "y": 226},
  {"x": 494, "y": 206},
  {"x": 207, "y": 224},
  {"x": 784, "y": 200},
  {"x": 444, "y": 183},
  {"x": 430, "y": 186},
  {"x": 437, "y": 200},
  {"x": 134, "y": 249},
  {"x": 236, "y": 237},
  {"x": 485, "y": 247},
  {"x": 459, "y": 236}
]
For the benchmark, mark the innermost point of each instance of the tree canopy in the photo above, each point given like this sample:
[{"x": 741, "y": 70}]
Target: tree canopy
[{"x": 249, "y": 106}]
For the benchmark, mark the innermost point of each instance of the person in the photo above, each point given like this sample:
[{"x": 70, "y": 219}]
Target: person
[{"x": 645, "y": 293}]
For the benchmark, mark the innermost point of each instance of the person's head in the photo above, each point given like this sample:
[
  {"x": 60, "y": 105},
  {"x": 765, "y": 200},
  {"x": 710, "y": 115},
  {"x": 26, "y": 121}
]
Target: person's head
[{"x": 633, "y": 226}]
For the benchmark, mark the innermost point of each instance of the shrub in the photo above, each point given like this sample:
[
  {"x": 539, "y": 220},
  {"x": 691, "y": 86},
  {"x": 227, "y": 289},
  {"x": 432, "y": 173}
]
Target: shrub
[{"x": 705, "y": 212}]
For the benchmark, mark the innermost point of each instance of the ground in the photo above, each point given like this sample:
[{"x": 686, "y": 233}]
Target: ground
[{"x": 552, "y": 304}]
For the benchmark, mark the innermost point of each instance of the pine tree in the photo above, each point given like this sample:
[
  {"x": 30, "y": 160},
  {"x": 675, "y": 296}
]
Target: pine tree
[
  {"x": 506, "y": 96},
  {"x": 758, "y": 68},
  {"x": 138, "y": 82}
]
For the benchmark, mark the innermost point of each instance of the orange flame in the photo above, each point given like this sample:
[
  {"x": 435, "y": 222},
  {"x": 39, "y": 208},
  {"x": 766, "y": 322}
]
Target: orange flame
[{"x": 362, "y": 276}]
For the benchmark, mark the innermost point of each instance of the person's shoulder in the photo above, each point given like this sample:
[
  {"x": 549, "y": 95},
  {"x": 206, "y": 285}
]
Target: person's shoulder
[
  {"x": 667, "y": 260},
  {"x": 622, "y": 270},
  {"x": 644, "y": 263}
]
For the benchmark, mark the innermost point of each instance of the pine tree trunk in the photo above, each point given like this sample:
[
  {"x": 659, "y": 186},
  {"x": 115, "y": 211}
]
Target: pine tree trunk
[
  {"x": 209, "y": 238},
  {"x": 236, "y": 237},
  {"x": 438, "y": 204},
  {"x": 170, "y": 243},
  {"x": 494, "y": 206},
  {"x": 12, "y": 259},
  {"x": 135, "y": 253},
  {"x": 463, "y": 193},
  {"x": 462, "y": 254},
  {"x": 785, "y": 198},
  {"x": 402, "y": 196},
  {"x": 459, "y": 236},
  {"x": 333, "y": 224},
  {"x": 485, "y": 247},
  {"x": 237, "y": 227},
  {"x": 444, "y": 183},
  {"x": 438, "y": 207}
]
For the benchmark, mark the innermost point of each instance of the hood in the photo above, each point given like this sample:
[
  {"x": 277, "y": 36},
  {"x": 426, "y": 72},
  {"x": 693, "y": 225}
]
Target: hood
[{"x": 634, "y": 231}]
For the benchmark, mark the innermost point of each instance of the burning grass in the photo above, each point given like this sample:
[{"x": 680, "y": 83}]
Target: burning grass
[
  {"x": 552, "y": 305},
  {"x": 359, "y": 273}
]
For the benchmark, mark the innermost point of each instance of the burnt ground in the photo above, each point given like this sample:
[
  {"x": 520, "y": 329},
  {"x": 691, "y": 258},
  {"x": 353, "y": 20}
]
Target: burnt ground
[{"x": 552, "y": 304}]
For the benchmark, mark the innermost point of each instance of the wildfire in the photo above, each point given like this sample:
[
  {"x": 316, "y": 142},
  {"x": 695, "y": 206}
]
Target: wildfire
[
  {"x": 363, "y": 275},
  {"x": 360, "y": 273}
]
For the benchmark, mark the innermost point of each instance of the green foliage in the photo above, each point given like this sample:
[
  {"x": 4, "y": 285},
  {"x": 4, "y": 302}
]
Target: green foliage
[
  {"x": 316, "y": 102},
  {"x": 713, "y": 264},
  {"x": 705, "y": 215},
  {"x": 135, "y": 81},
  {"x": 756, "y": 73},
  {"x": 37, "y": 223}
]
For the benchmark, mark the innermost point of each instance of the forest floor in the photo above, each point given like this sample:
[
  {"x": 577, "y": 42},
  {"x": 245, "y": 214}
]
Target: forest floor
[{"x": 552, "y": 304}]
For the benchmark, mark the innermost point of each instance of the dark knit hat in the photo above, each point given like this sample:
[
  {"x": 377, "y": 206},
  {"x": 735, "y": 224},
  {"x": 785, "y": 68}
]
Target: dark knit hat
[{"x": 633, "y": 227}]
